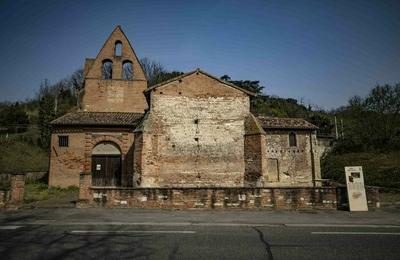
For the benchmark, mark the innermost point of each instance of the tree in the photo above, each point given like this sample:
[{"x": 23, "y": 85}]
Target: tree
[
  {"x": 47, "y": 112},
  {"x": 155, "y": 72},
  {"x": 76, "y": 84},
  {"x": 323, "y": 121},
  {"x": 14, "y": 118},
  {"x": 152, "y": 70},
  {"x": 250, "y": 85},
  {"x": 373, "y": 122},
  {"x": 383, "y": 107}
]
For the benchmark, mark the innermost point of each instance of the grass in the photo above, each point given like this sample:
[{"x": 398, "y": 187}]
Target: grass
[
  {"x": 37, "y": 191},
  {"x": 389, "y": 197},
  {"x": 17, "y": 156},
  {"x": 380, "y": 169}
]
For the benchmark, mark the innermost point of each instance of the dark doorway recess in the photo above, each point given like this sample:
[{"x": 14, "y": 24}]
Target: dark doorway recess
[{"x": 106, "y": 170}]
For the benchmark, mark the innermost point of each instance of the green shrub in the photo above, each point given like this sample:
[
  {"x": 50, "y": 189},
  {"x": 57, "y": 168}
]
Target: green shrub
[
  {"x": 36, "y": 191},
  {"x": 18, "y": 156},
  {"x": 380, "y": 169}
]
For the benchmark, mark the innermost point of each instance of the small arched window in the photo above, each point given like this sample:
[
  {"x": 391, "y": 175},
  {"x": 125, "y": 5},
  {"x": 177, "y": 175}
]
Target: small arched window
[
  {"x": 127, "y": 70},
  {"x": 118, "y": 48},
  {"x": 107, "y": 69},
  {"x": 292, "y": 139}
]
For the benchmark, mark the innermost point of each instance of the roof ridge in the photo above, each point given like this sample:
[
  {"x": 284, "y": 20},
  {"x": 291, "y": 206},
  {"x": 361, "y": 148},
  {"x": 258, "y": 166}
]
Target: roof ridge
[
  {"x": 285, "y": 123},
  {"x": 198, "y": 70}
]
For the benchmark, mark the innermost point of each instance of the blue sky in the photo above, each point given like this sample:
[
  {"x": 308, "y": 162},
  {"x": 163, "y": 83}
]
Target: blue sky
[{"x": 321, "y": 52}]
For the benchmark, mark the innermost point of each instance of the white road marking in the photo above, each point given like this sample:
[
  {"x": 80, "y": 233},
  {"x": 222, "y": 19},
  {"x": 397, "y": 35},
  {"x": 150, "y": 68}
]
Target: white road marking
[
  {"x": 9, "y": 227},
  {"x": 344, "y": 225},
  {"x": 355, "y": 233},
  {"x": 211, "y": 224},
  {"x": 132, "y": 231}
]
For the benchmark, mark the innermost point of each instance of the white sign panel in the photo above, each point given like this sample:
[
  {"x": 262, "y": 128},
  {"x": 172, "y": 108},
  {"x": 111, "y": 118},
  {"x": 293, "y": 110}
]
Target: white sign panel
[
  {"x": 98, "y": 167},
  {"x": 356, "y": 189}
]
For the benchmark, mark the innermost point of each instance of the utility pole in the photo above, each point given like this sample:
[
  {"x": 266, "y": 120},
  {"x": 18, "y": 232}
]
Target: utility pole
[
  {"x": 341, "y": 122},
  {"x": 336, "y": 129}
]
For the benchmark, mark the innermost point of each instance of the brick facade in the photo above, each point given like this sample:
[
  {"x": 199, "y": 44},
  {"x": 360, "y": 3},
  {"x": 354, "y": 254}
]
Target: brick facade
[
  {"x": 194, "y": 136},
  {"x": 297, "y": 165},
  {"x": 66, "y": 163},
  {"x": 194, "y": 131},
  {"x": 115, "y": 94}
]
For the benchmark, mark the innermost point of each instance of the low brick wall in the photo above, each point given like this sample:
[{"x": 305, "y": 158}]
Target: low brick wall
[
  {"x": 215, "y": 198},
  {"x": 4, "y": 197},
  {"x": 29, "y": 176},
  {"x": 14, "y": 196},
  {"x": 218, "y": 198}
]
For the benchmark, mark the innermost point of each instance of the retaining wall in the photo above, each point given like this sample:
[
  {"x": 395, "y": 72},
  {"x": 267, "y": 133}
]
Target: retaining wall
[{"x": 220, "y": 198}]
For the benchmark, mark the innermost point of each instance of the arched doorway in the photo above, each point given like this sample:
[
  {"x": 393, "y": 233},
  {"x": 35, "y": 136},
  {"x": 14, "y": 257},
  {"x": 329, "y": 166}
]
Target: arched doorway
[{"x": 106, "y": 165}]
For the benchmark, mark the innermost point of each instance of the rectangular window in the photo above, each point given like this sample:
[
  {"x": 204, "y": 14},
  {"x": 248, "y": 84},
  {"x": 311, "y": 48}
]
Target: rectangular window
[
  {"x": 292, "y": 140},
  {"x": 63, "y": 141}
]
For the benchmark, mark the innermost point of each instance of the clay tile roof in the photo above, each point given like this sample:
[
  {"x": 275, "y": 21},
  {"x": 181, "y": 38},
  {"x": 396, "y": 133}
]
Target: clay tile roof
[
  {"x": 285, "y": 123},
  {"x": 99, "y": 118}
]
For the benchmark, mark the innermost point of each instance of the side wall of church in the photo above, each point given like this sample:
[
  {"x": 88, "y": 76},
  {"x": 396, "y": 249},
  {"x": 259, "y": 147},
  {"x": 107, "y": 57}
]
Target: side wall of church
[
  {"x": 194, "y": 135},
  {"x": 291, "y": 165}
]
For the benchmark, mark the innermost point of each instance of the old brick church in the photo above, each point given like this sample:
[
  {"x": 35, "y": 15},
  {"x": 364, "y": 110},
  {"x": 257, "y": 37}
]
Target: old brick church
[{"x": 195, "y": 130}]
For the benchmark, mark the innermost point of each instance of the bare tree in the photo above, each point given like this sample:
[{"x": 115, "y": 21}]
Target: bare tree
[
  {"x": 153, "y": 70},
  {"x": 76, "y": 84}
]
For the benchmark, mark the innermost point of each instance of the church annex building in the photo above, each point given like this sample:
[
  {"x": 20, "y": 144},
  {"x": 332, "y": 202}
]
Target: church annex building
[{"x": 185, "y": 143}]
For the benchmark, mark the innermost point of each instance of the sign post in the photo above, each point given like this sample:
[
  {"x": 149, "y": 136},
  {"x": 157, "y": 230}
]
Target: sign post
[{"x": 355, "y": 188}]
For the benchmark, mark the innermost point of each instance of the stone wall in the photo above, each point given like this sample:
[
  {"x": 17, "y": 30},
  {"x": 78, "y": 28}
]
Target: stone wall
[
  {"x": 194, "y": 135},
  {"x": 67, "y": 162},
  {"x": 288, "y": 165},
  {"x": 219, "y": 198}
]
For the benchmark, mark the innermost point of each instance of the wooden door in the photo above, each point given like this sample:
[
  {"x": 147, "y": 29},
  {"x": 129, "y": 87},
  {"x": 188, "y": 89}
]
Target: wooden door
[{"x": 106, "y": 170}]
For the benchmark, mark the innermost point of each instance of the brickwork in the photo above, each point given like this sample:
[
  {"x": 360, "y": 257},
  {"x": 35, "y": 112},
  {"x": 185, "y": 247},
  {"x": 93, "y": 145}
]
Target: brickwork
[
  {"x": 295, "y": 165},
  {"x": 66, "y": 163},
  {"x": 219, "y": 198},
  {"x": 194, "y": 136},
  {"x": 17, "y": 189},
  {"x": 197, "y": 132},
  {"x": 115, "y": 94},
  {"x": 4, "y": 197}
]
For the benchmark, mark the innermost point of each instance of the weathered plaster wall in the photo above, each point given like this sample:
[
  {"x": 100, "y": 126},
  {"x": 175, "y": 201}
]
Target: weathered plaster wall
[
  {"x": 194, "y": 135},
  {"x": 294, "y": 165}
]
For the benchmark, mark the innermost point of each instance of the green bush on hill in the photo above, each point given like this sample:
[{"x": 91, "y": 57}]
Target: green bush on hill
[
  {"x": 380, "y": 169},
  {"x": 16, "y": 156}
]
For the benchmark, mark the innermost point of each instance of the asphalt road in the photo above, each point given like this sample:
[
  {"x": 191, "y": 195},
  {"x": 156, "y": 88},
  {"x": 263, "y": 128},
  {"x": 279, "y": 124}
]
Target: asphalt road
[{"x": 81, "y": 235}]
